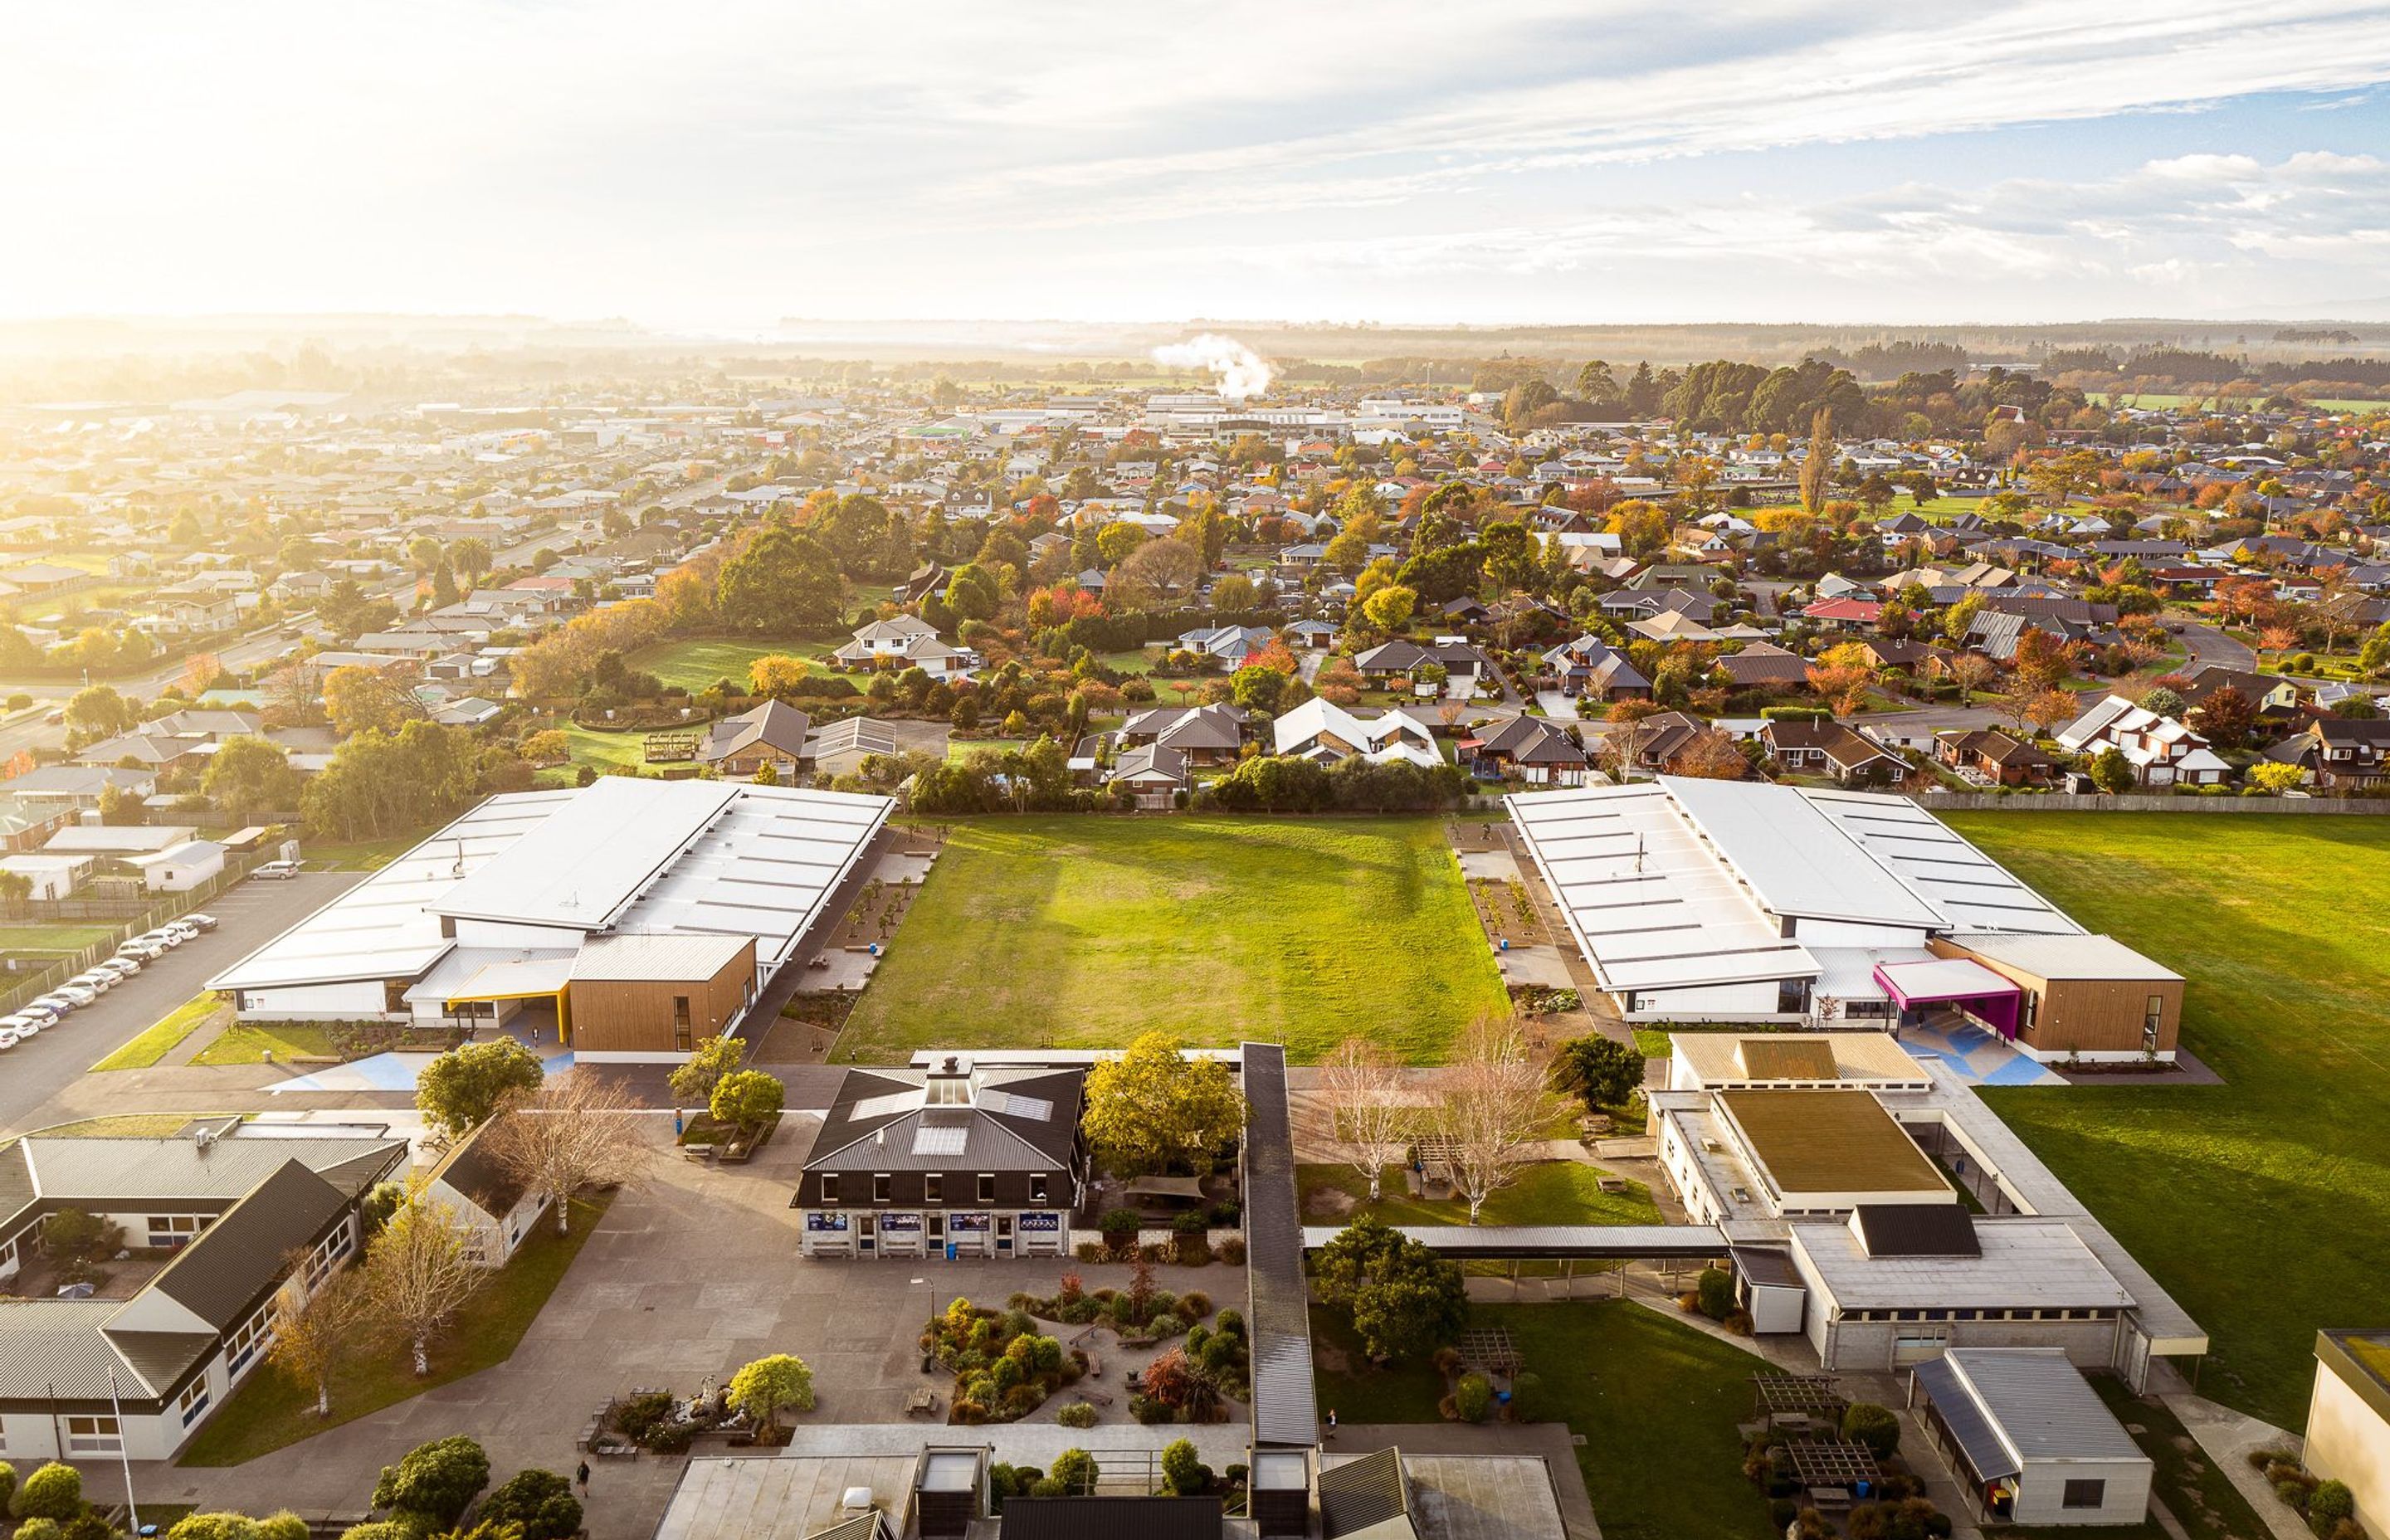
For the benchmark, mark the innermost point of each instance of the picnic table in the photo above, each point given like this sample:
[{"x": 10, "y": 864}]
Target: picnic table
[{"x": 921, "y": 1401}]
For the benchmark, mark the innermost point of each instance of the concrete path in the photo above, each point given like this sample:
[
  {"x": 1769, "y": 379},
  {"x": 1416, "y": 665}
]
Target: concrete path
[{"x": 2226, "y": 1437}]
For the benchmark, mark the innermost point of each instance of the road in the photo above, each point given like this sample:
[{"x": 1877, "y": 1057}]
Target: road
[
  {"x": 32, "y": 1075},
  {"x": 2209, "y": 646}
]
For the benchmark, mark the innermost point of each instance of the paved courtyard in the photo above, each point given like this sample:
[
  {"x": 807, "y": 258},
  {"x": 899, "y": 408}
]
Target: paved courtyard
[{"x": 688, "y": 1276}]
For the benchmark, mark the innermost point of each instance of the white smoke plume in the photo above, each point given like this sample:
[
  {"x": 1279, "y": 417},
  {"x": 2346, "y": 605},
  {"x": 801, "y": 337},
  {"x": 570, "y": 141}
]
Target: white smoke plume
[{"x": 1239, "y": 372}]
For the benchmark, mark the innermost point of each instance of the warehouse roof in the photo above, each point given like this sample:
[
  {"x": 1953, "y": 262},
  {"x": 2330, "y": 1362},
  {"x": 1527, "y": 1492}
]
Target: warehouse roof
[
  {"x": 1793, "y": 856},
  {"x": 1810, "y": 1141},
  {"x": 2022, "y": 1263}
]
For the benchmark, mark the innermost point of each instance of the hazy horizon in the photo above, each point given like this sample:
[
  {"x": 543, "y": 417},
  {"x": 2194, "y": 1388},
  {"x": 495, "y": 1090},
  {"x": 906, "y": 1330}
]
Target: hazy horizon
[{"x": 1534, "y": 162}]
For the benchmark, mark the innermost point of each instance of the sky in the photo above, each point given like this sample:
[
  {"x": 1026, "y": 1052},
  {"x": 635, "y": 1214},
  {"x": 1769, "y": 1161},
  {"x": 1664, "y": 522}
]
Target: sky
[{"x": 713, "y": 167}]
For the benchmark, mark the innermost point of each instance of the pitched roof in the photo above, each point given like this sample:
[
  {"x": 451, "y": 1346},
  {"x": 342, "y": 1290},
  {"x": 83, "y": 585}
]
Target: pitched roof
[
  {"x": 220, "y": 1276},
  {"x": 773, "y": 724},
  {"x": 1017, "y": 1120}
]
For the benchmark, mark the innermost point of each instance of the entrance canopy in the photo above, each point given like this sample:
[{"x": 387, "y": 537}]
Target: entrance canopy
[
  {"x": 515, "y": 981},
  {"x": 1954, "y": 981}
]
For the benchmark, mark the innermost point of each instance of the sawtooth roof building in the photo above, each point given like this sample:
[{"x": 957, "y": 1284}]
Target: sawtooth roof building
[
  {"x": 1738, "y": 901},
  {"x": 648, "y": 914}
]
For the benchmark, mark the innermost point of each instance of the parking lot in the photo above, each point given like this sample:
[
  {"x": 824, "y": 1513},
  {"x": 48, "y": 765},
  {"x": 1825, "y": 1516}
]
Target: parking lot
[{"x": 36, "y": 1076}]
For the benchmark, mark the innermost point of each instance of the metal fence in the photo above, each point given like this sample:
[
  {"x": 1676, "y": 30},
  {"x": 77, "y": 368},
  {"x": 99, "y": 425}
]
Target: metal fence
[{"x": 21, "y": 987}]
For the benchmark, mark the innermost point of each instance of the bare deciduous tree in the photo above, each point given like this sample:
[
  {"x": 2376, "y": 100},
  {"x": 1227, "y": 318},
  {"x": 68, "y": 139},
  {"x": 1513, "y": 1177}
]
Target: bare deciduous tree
[
  {"x": 315, "y": 1329},
  {"x": 1495, "y": 1101},
  {"x": 1362, "y": 1090},
  {"x": 418, "y": 1272},
  {"x": 578, "y": 1131}
]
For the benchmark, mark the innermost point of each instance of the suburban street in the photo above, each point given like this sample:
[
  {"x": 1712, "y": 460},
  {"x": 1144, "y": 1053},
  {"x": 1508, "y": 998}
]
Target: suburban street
[{"x": 44, "y": 1081}]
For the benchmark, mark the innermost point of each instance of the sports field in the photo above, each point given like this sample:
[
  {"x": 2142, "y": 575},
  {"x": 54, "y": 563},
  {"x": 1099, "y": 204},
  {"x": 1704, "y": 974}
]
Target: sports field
[
  {"x": 2262, "y": 1204},
  {"x": 1083, "y": 932}
]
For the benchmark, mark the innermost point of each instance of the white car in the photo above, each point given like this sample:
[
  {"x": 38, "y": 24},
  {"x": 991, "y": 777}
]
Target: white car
[
  {"x": 24, "y": 1024},
  {"x": 9, "y": 1038},
  {"x": 277, "y": 871},
  {"x": 73, "y": 993},
  {"x": 199, "y": 921},
  {"x": 123, "y": 967},
  {"x": 181, "y": 928},
  {"x": 142, "y": 948},
  {"x": 98, "y": 980},
  {"x": 37, "y": 1013}
]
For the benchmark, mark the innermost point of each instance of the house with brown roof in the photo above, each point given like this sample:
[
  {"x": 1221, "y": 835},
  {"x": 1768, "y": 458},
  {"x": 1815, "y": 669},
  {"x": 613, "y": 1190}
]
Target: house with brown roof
[
  {"x": 1994, "y": 757},
  {"x": 1806, "y": 746},
  {"x": 494, "y": 1204},
  {"x": 773, "y": 733}
]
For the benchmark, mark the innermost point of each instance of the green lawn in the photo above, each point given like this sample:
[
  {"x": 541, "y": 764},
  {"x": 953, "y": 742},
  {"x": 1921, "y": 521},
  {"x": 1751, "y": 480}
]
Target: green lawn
[
  {"x": 160, "y": 1039},
  {"x": 1656, "y": 1401},
  {"x": 1139, "y": 661},
  {"x": 53, "y": 938},
  {"x": 362, "y": 855},
  {"x": 627, "y": 748},
  {"x": 2262, "y": 1204},
  {"x": 247, "y": 1043},
  {"x": 1082, "y": 933},
  {"x": 1549, "y": 1192},
  {"x": 694, "y": 665},
  {"x": 271, "y": 1411}
]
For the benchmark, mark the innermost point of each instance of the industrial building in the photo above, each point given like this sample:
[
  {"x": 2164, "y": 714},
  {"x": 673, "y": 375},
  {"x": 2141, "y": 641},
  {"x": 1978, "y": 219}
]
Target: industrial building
[
  {"x": 1732, "y": 901},
  {"x": 646, "y": 915}
]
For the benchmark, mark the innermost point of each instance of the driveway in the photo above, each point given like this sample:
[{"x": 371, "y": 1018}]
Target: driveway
[
  {"x": 44, "y": 1081},
  {"x": 2209, "y": 646}
]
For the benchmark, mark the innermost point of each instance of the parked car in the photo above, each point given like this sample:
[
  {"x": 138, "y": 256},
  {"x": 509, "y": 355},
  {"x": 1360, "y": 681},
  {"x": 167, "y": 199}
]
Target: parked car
[
  {"x": 161, "y": 936},
  {"x": 8, "y": 1038},
  {"x": 25, "y": 1023},
  {"x": 42, "y": 1015},
  {"x": 98, "y": 980},
  {"x": 143, "y": 948},
  {"x": 277, "y": 871},
  {"x": 63, "y": 998},
  {"x": 181, "y": 931},
  {"x": 199, "y": 921},
  {"x": 123, "y": 967}
]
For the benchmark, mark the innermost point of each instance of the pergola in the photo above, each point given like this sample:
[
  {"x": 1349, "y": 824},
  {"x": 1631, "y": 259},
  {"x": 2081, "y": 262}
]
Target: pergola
[
  {"x": 1955, "y": 980},
  {"x": 1797, "y": 1395},
  {"x": 1823, "y": 1464},
  {"x": 1437, "y": 1153},
  {"x": 1489, "y": 1347}
]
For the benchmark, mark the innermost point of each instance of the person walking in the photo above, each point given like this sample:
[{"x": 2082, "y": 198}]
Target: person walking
[
  {"x": 582, "y": 1476},
  {"x": 1332, "y": 1424}
]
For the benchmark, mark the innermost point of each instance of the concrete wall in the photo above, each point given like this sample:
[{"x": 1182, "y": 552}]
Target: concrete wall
[
  {"x": 2041, "y": 1492},
  {"x": 2349, "y": 1440}
]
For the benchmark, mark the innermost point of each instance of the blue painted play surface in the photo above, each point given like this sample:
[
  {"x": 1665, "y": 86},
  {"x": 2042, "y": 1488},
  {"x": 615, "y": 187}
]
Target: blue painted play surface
[
  {"x": 1975, "y": 1055},
  {"x": 388, "y": 1072}
]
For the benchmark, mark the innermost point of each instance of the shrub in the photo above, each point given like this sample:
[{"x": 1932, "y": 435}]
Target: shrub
[
  {"x": 1077, "y": 1414},
  {"x": 1873, "y": 1426},
  {"x": 1446, "y": 1361},
  {"x": 1474, "y": 1397},
  {"x": 1120, "y": 1223},
  {"x": 1076, "y": 1469},
  {"x": 1070, "y": 1288},
  {"x": 1738, "y": 1322},
  {"x": 2328, "y": 1505},
  {"x": 433, "y": 1482},
  {"x": 88, "y": 1525},
  {"x": 1148, "y": 1410},
  {"x": 1193, "y": 1250},
  {"x": 40, "y": 1528},
  {"x": 1164, "y": 1326},
  {"x": 8, "y": 1484},
  {"x": 1194, "y": 1305},
  {"x": 1193, "y": 1222},
  {"x": 1232, "y": 1322},
  {"x": 1527, "y": 1400},
  {"x": 1714, "y": 1292},
  {"x": 54, "y": 1490},
  {"x": 1781, "y": 1511},
  {"x": 1091, "y": 1250},
  {"x": 1185, "y": 1471},
  {"x": 1231, "y": 1251},
  {"x": 969, "y": 1412},
  {"x": 1021, "y": 1400},
  {"x": 2292, "y": 1494}
]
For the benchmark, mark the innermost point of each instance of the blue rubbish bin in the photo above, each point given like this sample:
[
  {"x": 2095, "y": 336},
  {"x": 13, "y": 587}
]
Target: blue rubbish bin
[{"x": 950, "y": 1250}]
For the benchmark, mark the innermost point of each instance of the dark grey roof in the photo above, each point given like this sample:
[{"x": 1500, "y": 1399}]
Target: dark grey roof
[
  {"x": 474, "y": 1169},
  {"x": 1361, "y": 1492},
  {"x": 220, "y": 1276},
  {"x": 59, "y": 1342},
  {"x": 90, "y": 1170},
  {"x": 1285, "y": 1403},
  {"x": 775, "y": 724},
  {"x": 1965, "y": 1419},
  {"x": 1111, "y": 1518},
  {"x": 16, "y": 1184},
  {"x": 1020, "y": 1120},
  {"x": 1917, "y": 1230}
]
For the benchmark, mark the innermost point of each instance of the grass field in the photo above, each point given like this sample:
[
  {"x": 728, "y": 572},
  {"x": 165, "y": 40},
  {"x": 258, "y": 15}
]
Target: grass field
[
  {"x": 53, "y": 938},
  {"x": 160, "y": 1039},
  {"x": 2262, "y": 1204},
  {"x": 250, "y": 1042},
  {"x": 1656, "y": 1401},
  {"x": 362, "y": 856},
  {"x": 1083, "y": 932},
  {"x": 694, "y": 665},
  {"x": 628, "y": 748},
  {"x": 1549, "y": 1192},
  {"x": 270, "y": 1410}
]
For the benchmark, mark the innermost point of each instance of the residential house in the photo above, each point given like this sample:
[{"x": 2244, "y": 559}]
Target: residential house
[
  {"x": 1210, "y": 735},
  {"x": 1321, "y": 730},
  {"x": 1228, "y": 645},
  {"x": 839, "y": 748},
  {"x": 2339, "y": 753},
  {"x": 906, "y": 641},
  {"x": 1590, "y": 668},
  {"x": 1465, "y": 667},
  {"x": 2162, "y": 750},
  {"x": 1762, "y": 665},
  {"x": 773, "y": 733},
  {"x": 1806, "y": 746},
  {"x": 1527, "y": 749},
  {"x": 1989, "y": 754}
]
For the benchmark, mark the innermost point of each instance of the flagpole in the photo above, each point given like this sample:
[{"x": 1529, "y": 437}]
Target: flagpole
[{"x": 132, "y": 1509}]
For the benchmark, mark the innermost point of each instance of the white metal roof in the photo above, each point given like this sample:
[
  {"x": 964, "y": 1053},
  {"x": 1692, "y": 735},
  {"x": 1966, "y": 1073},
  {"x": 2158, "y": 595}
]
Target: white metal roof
[
  {"x": 1971, "y": 889},
  {"x": 2040, "y": 1405},
  {"x": 2027, "y": 1264},
  {"x": 1946, "y": 977},
  {"x": 593, "y": 854},
  {"x": 2067, "y": 957},
  {"x": 1796, "y": 858},
  {"x": 641, "y": 958}
]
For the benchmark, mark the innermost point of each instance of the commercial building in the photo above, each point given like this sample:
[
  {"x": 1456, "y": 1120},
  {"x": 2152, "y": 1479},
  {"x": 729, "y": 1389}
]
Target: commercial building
[
  {"x": 645, "y": 916},
  {"x": 2030, "y": 1442},
  {"x": 955, "y": 1159},
  {"x": 226, "y": 1207},
  {"x": 1732, "y": 901}
]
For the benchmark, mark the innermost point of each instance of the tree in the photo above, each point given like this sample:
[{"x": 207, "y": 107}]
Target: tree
[
  {"x": 2276, "y": 778},
  {"x": 747, "y": 1100},
  {"x": 1361, "y": 1089},
  {"x": 417, "y": 1273},
  {"x": 432, "y": 1485},
  {"x": 2050, "y": 709},
  {"x": 1602, "y": 1073},
  {"x": 315, "y": 1329},
  {"x": 72, "y": 1235},
  {"x": 1971, "y": 672},
  {"x": 1710, "y": 755},
  {"x": 1153, "y": 1109},
  {"x": 1390, "y": 607},
  {"x": 462, "y": 1089},
  {"x": 1182, "y": 1468},
  {"x": 1115, "y": 542},
  {"x": 470, "y": 556},
  {"x": 541, "y": 1501},
  {"x": 2041, "y": 659},
  {"x": 360, "y": 699},
  {"x": 1233, "y": 594},
  {"x": 1864, "y": 1422},
  {"x": 121, "y": 806},
  {"x": 1491, "y": 1107},
  {"x": 98, "y": 712},
  {"x": 2112, "y": 771},
  {"x": 249, "y": 775},
  {"x": 783, "y": 579},
  {"x": 715, "y": 1057},
  {"x": 1818, "y": 466},
  {"x": 550, "y": 746},
  {"x": 777, "y": 674},
  {"x": 2226, "y": 717},
  {"x": 423, "y": 554},
  {"x": 1403, "y": 1297},
  {"x": 769, "y": 1386},
  {"x": 578, "y": 1131}
]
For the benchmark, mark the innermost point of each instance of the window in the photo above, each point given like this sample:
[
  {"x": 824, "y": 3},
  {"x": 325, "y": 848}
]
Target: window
[
  {"x": 94, "y": 1435},
  {"x": 192, "y": 1402},
  {"x": 883, "y": 1186},
  {"x": 249, "y": 1339},
  {"x": 933, "y": 1187},
  {"x": 1037, "y": 1186},
  {"x": 2151, "y": 1016},
  {"x": 830, "y": 1187},
  {"x": 680, "y": 1024},
  {"x": 987, "y": 1186},
  {"x": 170, "y": 1230},
  {"x": 2085, "y": 1494}
]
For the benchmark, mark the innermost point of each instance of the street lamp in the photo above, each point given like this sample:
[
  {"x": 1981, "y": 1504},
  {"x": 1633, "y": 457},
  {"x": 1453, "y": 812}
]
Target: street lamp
[{"x": 927, "y": 1357}]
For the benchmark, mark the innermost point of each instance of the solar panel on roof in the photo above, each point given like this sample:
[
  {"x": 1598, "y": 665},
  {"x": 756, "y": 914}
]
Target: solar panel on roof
[
  {"x": 1036, "y": 1108},
  {"x": 928, "y": 1140}
]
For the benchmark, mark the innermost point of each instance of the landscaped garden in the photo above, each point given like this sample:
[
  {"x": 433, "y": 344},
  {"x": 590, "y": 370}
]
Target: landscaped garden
[
  {"x": 2263, "y": 1204},
  {"x": 1083, "y": 932},
  {"x": 1548, "y": 1192},
  {"x": 164, "y": 1038}
]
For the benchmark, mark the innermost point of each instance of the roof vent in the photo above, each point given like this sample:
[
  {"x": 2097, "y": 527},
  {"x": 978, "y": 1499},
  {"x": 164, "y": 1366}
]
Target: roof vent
[{"x": 856, "y": 1499}]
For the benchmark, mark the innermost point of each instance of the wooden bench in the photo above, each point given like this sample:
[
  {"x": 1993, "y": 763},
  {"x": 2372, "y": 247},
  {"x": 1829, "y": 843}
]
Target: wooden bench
[{"x": 921, "y": 1401}]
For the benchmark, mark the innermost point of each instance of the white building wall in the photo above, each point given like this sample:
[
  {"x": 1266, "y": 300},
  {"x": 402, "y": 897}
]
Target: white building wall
[
  {"x": 508, "y": 933},
  {"x": 1843, "y": 932},
  {"x": 2041, "y": 1492},
  {"x": 1708, "y": 1003},
  {"x": 2348, "y": 1441},
  {"x": 356, "y": 1000}
]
